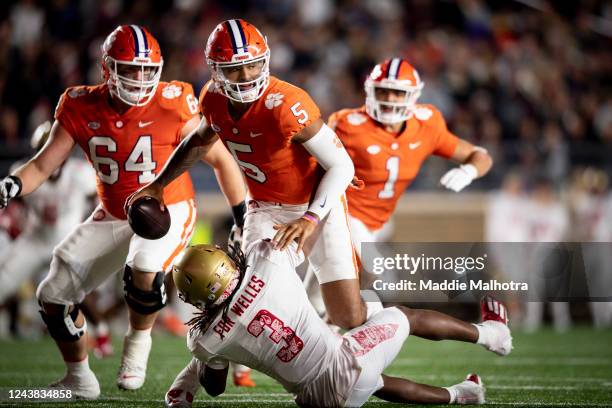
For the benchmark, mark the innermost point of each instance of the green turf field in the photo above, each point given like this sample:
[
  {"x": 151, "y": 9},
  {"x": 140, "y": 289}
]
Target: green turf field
[{"x": 545, "y": 369}]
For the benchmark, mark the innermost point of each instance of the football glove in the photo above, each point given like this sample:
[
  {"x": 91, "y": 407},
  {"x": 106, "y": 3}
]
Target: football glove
[
  {"x": 10, "y": 187},
  {"x": 235, "y": 237},
  {"x": 459, "y": 178}
]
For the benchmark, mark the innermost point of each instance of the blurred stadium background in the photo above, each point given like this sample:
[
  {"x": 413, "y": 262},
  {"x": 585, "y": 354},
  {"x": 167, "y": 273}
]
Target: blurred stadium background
[{"x": 529, "y": 80}]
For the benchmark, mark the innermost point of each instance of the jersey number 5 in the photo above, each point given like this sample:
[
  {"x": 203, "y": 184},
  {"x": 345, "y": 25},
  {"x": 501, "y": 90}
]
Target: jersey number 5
[
  {"x": 139, "y": 160},
  {"x": 293, "y": 344},
  {"x": 249, "y": 169}
]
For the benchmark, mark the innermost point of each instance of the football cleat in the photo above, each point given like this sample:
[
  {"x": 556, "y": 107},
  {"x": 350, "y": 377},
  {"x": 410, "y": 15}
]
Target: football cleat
[
  {"x": 83, "y": 386},
  {"x": 470, "y": 391},
  {"x": 243, "y": 379},
  {"x": 494, "y": 327},
  {"x": 133, "y": 369}
]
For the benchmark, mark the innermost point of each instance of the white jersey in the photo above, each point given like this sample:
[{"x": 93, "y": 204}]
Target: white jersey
[
  {"x": 507, "y": 218},
  {"x": 272, "y": 327},
  {"x": 57, "y": 206},
  {"x": 547, "y": 222}
]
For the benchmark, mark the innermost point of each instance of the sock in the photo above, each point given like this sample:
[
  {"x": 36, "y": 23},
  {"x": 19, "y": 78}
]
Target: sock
[
  {"x": 78, "y": 367},
  {"x": 484, "y": 334},
  {"x": 138, "y": 335},
  {"x": 453, "y": 394},
  {"x": 372, "y": 302},
  {"x": 101, "y": 329}
]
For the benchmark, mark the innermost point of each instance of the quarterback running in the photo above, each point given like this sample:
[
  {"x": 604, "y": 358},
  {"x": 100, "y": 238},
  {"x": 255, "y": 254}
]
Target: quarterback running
[{"x": 254, "y": 311}]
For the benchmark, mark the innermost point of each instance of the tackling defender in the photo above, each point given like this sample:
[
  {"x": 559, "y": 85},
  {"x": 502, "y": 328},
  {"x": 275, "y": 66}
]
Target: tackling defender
[
  {"x": 128, "y": 126},
  {"x": 254, "y": 311},
  {"x": 388, "y": 139}
]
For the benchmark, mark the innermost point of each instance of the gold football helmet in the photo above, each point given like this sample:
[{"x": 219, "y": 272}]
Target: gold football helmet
[{"x": 204, "y": 276}]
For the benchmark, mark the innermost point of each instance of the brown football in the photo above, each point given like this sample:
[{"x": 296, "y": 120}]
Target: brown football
[{"x": 147, "y": 219}]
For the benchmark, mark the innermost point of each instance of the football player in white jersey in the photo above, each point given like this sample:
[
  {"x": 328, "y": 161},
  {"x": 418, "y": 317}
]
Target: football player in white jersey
[
  {"x": 254, "y": 311},
  {"x": 52, "y": 212}
]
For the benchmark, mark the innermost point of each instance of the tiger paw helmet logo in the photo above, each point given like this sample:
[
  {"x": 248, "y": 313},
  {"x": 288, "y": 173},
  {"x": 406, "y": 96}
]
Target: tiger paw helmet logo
[
  {"x": 273, "y": 100},
  {"x": 172, "y": 91}
]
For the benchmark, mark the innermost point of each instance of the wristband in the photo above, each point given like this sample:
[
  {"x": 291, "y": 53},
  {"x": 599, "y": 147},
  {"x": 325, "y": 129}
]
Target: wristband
[
  {"x": 311, "y": 218},
  {"x": 238, "y": 212}
]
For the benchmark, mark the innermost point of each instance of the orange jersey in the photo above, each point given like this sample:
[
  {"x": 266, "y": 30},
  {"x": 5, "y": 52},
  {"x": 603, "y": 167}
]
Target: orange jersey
[
  {"x": 128, "y": 150},
  {"x": 276, "y": 169},
  {"x": 385, "y": 162}
]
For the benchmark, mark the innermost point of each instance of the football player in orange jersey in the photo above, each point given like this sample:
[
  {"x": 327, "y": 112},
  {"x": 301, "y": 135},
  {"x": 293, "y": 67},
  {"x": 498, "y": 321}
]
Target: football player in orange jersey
[
  {"x": 388, "y": 139},
  {"x": 296, "y": 168},
  {"x": 128, "y": 126}
]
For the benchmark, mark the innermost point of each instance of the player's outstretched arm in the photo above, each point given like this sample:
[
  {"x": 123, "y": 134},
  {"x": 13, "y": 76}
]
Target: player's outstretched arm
[
  {"x": 193, "y": 147},
  {"x": 38, "y": 169},
  {"x": 475, "y": 163}
]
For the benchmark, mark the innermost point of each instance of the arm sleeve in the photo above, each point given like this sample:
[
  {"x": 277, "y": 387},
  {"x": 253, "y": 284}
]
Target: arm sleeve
[
  {"x": 339, "y": 170},
  {"x": 199, "y": 352}
]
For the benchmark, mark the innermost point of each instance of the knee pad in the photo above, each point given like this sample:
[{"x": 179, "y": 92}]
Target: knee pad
[
  {"x": 144, "y": 301},
  {"x": 62, "y": 327}
]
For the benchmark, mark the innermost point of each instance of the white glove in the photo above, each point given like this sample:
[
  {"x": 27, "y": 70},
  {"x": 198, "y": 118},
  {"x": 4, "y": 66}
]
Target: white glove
[
  {"x": 459, "y": 178},
  {"x": 235, "y": 238},
  {"x": 10, "y": 187}
]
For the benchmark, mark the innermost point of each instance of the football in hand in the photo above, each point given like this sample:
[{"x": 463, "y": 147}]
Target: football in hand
[{"x": 147, "y": 219}]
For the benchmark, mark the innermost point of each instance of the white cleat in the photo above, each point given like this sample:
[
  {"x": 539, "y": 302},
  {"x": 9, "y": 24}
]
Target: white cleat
[
  {"x": 185, "y": 386},
  {"x": 470, "y": 391},
  {"x": 133, "y": 369},
  {"x": 82, "y": 386},
  {"x": 500, "y": 340},
  {"x": 495, "y": 323}
]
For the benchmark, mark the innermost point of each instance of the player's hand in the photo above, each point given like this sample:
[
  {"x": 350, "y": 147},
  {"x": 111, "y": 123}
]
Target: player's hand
[
  {"x": 356, "y": 184},
  {"x": 299, "y": 229},
  {"x": 459, "y": 178},
  {"x": 153, "y": 190},
  {"x": 10, "y": 187},
  {"x": 235, "y": 237}
]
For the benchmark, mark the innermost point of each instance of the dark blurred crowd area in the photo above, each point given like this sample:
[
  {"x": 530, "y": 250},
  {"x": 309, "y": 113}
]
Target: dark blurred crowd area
[{"x": 528, "y": 80}]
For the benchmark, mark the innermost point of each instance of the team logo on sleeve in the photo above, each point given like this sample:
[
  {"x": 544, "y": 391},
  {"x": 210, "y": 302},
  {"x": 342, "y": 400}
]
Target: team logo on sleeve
[
  {"x": 273, "y": 100},
  {"x": 422, "y": 113},
  {"x": 356, "y": 119},
  {"x": 75, "y": 93},
  {"x": 172, "y": 91}
]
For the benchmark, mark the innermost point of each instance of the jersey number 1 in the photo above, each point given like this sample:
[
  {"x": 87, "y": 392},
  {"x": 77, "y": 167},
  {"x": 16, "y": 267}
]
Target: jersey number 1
[
  {"x": 393, "y": 168},
  {"x": 140, "y": 159}
]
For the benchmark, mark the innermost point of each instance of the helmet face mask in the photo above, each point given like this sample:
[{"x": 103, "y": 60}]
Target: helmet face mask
[
  {"x": 238, "y": 44},
  {"x": 396, "y": 76},
  {"x": 132, "y": 65}
]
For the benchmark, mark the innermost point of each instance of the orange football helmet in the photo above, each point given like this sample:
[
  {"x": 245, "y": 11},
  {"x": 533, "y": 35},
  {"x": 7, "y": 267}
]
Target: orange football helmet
[
  {"x": 396, "y": 74},
  {"x": 132, "y": 64},
  {"x": 235, "y": 43}
]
